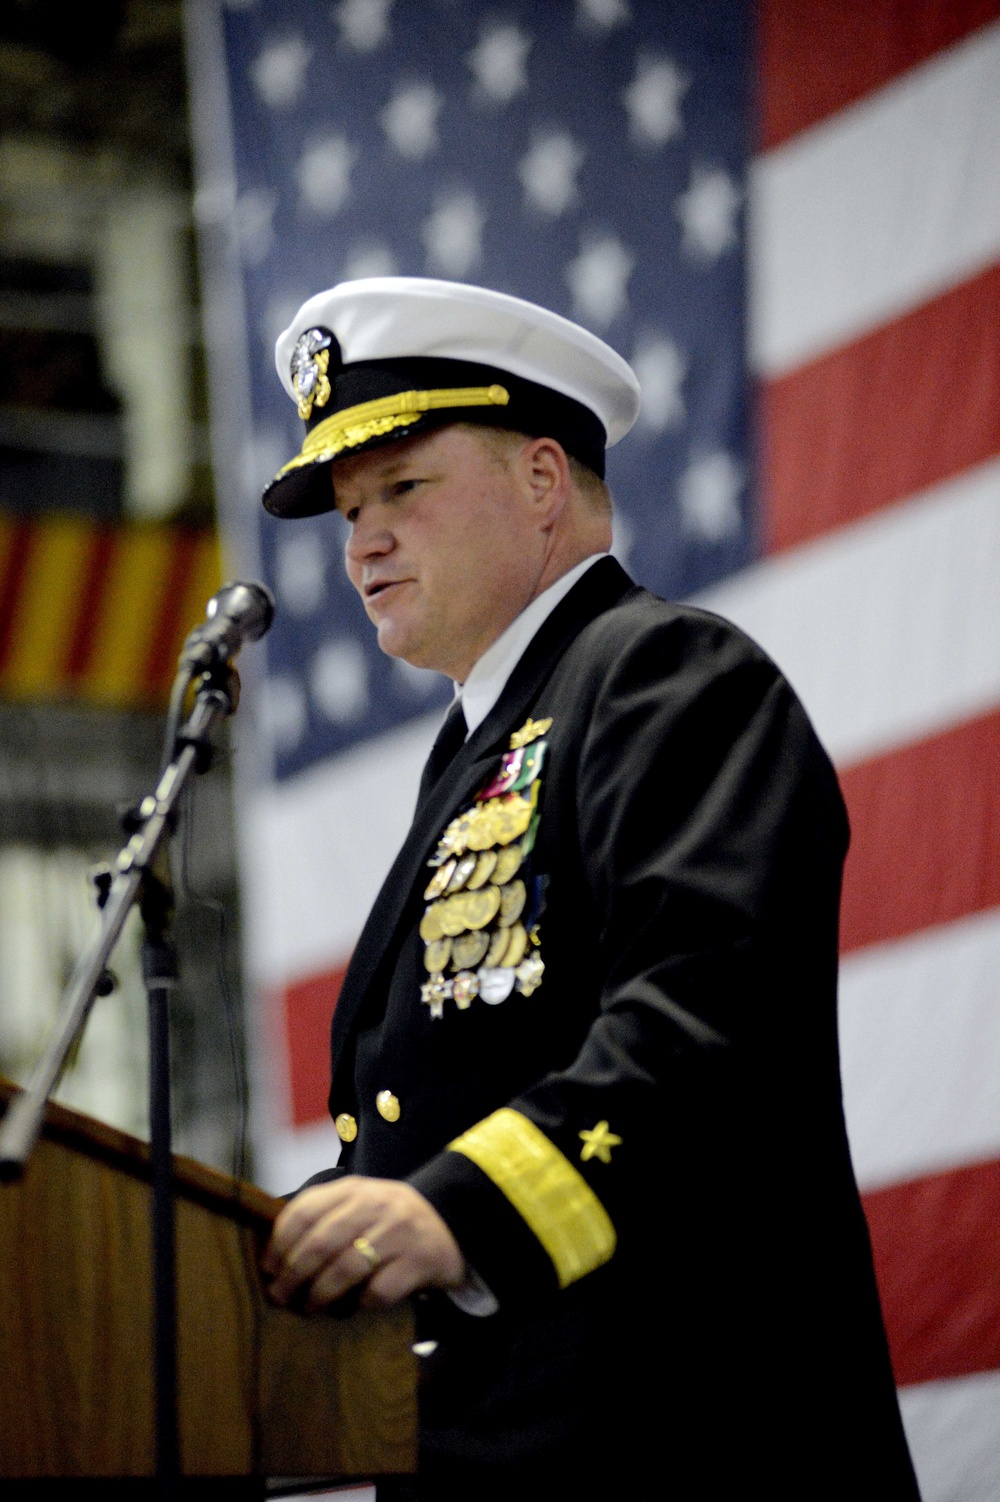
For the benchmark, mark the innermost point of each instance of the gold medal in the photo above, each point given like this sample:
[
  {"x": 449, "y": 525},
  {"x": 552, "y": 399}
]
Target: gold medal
[
  {"x": 439, "y": 881},
  {"x": 451, "y": 915},
  {"x": 498, "y": 943},
  {"x": 512, "y": 900},
  {"x": 482, "y": 830},
  {"x": 517, "y": 944},
  {"x": 468, "y": 950},
  {"x": 507, "y": 863},
  {"x": 478, "y": 908},
  {"x": 511, "y": 818},
  {"x": 437, "y": 954},
  {"x": 430, "y": 923},
  {"x": 484, "y": 870},
  {"x": 461, "y": 873}
]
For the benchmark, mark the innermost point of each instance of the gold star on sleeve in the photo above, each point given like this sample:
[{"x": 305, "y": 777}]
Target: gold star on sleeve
[{"x": 598, "y": 1142}]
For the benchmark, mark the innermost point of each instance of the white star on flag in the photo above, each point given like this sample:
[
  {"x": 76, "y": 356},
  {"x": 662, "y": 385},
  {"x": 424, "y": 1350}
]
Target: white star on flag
[
  {"x": 452, "y": 235},
  {"x": 364, "y": 24},
  {"x": 410, "y": 120},
  {"x": 708, "y": 494},
  {"x": 598, "y": 279},
  {"x": 279, "y": 71},
  {"x": 660, "y": 367},
  {"x": 282, "y": 711},
  {"x": 653, "y": 101},
  {"x": 548, "y": 172},
  {"x": 338, "y": 678},
  {"x": 324, "y": 174},
  {"x": 498, "y": 62},
  {"x": 254, "y": 230},
  {"x": 601, "y": 15},
  {"x": 707, "y": 212},
  {"x": 369, "y": 259},
  {"x": 300, "y": 572}
]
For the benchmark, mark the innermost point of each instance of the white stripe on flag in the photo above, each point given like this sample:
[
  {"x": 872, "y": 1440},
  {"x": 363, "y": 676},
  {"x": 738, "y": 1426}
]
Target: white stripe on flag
[
  {"x": 877, "y": 209},
  {"x": 322, "y": 844},
  {"x": 890, "y": 629},
  {"x": 954, "y": 1437},
  {"x": 920, "y": 1040}
]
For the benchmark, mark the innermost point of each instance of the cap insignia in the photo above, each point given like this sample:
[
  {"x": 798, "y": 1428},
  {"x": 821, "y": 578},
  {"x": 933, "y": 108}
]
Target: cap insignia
[{"x": 310, "y": 362}]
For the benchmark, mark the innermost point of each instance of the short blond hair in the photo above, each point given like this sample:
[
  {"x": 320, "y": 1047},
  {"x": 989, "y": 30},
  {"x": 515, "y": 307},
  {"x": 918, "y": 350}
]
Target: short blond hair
[{"x": 499, "y": 444}]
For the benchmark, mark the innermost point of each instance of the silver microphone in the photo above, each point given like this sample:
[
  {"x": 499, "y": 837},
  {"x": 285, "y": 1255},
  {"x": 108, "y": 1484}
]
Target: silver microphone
[{"x": 238, "y": 613}]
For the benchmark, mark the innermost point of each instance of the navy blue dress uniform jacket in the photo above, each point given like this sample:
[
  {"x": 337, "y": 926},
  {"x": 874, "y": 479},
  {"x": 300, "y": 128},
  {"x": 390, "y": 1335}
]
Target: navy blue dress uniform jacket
[{"x": 688, "y": 1308}]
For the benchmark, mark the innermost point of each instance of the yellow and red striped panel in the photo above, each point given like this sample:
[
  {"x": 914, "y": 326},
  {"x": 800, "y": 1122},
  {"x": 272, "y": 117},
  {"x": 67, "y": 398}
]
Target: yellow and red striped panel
[{"x": 98, "y": 614}]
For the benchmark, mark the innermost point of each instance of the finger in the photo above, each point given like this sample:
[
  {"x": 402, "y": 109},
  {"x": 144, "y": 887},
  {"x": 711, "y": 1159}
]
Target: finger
[
  {"x": 348, "y": 1270},
  {"x": 321, "y": 1244},
  {"x": 295, "y": 1220}
]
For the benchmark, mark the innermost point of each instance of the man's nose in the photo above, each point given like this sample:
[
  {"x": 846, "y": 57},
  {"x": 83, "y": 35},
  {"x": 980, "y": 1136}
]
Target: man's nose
[{"x": 369, "y": 538}]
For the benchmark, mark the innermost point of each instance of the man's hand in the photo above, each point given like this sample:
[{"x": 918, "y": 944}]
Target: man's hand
[{"x": 405, "y": 1245}]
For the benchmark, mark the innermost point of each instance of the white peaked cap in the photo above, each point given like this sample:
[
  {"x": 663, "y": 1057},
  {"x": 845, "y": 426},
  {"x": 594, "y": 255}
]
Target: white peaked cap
[{"x": 398, "y": 317}]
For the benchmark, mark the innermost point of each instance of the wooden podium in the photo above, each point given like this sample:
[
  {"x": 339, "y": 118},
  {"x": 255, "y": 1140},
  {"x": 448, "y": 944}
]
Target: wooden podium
[{"x": 262, "y": 1392}]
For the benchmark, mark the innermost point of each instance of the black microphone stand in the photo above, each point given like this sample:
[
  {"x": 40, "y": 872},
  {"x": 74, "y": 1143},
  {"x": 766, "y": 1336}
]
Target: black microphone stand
[{"x": 139, "y": 876}]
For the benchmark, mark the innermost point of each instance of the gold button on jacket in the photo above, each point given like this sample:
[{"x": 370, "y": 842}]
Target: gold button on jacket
[
  {"x": 347, "y": 1127},
  {"x": 387, "y": 1105}
]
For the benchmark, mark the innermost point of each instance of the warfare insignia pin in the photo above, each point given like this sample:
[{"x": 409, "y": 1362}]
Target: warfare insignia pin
[
  {"x": 310, "y": 362},
  {"x": 529, "y": 731}
]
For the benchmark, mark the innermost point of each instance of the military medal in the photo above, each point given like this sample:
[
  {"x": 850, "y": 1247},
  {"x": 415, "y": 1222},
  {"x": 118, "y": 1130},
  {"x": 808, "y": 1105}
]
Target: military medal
[
  {"x": 512, "y": 900},
  {"x": 437, "y": 954},
  {"x": 468, "y": 950},
  {"x": 439, "y": 881},
  {"x": 495, "y": 985},
  {"x": 507, "y": 862},
  {"x": 529, "y": 974},
  {"x": 485, "y": 865},
  {"x": 434, "y": 993},
  {"x": 463, "y": 870},
  {"x": 477, "y": 913},
  {"x": 516, "y": 945},
  {"x": 463, "y": 988},
  {"x": 430, "y": 924},
  {"x": 498, "y": 945}
]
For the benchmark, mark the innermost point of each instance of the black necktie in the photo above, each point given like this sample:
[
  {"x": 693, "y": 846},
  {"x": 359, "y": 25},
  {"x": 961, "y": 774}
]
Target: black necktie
[{"x": 450, "y": 739}]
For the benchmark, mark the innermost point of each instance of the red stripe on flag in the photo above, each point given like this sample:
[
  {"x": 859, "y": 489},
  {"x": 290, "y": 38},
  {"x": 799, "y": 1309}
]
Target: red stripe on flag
[
  {"x": 901, "y": 409},
  {"x": 925, "y": 835},
  {"x": 103, "y": 546},
  {"x": 161, "y": 664},
  {"x": 308, "y": 1007},
  {"x": 936, "y": 1243},
  {"x": 820, "y": 56},
  {"x": 15, "y": 568}
]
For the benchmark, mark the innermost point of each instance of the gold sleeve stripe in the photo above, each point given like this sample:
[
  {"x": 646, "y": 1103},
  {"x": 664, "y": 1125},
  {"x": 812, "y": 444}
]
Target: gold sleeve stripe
[
  {"x": 355, "y": 425},
  {"x": 545, "y": 1189}
]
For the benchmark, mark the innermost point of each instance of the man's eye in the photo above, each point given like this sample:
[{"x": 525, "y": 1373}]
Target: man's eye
[{"x": 403, "y": 487}]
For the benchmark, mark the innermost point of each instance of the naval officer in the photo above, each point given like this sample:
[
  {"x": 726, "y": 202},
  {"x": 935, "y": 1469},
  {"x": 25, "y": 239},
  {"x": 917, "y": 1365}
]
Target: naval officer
[{"x": 584, "y": 1061}]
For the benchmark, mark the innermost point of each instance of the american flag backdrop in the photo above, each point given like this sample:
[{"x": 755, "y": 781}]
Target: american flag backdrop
[{"x": 792, "y": 209}]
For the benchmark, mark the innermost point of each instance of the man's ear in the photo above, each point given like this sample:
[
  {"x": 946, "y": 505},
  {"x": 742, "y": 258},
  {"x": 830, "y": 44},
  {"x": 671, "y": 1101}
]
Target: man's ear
[{"x": 544, "y": 470}]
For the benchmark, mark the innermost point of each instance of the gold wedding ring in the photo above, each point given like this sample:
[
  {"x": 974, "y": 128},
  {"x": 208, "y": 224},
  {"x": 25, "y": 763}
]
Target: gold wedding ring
[{"x": 363, "y": 1245}]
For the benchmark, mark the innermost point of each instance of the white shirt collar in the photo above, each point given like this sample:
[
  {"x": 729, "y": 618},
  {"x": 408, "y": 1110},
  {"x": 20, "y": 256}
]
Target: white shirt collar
[{"x": 488, "y": 678}]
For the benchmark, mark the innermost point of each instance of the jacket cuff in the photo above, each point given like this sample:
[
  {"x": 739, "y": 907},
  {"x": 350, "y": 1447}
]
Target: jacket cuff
[{"x": 523, "y": 1215}]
